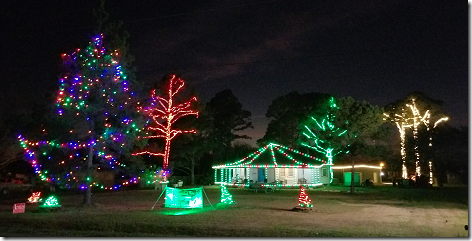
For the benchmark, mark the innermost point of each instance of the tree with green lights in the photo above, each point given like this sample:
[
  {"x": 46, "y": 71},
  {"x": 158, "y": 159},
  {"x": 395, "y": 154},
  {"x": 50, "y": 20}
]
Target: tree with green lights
[
  {"x": 345, "y": 126},
  {"x": 322, "y": 135}
]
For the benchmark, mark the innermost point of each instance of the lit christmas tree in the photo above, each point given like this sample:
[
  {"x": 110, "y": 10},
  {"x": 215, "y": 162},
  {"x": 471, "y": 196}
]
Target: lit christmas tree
[
  {"x": 94, "y": 94},
  {"x": 321, "y": 135},
  {"x": 165, "y": 113},
  {"x": 226, "y": 197},
  {"x": 303, "y": 200}
]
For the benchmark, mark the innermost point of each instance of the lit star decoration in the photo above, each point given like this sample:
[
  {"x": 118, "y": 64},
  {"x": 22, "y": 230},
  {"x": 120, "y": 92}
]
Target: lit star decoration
[
  {"x": 165, "y": 113},
  {"x": 303, "y": 200},
  {"x": 226, "y": 197},
  {"x": 317, "y": 133}
]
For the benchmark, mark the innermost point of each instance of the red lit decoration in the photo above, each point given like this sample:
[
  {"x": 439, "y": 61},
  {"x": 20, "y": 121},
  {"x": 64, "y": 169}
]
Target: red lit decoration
[
  {"x": 164, "y": 109},
  {"x": 35, "y": 197},
  {"x": 303, "y": 200}
]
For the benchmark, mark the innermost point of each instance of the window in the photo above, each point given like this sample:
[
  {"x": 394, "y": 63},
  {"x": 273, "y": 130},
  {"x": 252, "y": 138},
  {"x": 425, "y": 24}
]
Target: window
[{"x": 325, "y": 172}]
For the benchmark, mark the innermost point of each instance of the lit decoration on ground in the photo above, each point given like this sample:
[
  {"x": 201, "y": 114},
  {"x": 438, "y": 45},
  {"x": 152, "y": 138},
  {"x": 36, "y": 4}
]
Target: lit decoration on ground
[
  {"x": 165, "y": 113},
  {"x": 303, "y": 200},
  {"x": 319, "y": 131},
  {"x": 183, "y": 198},
  {"x": 226, "y": 197},
  {"x": 51, "y": 202},
  {"x": 35, "y": 197}
]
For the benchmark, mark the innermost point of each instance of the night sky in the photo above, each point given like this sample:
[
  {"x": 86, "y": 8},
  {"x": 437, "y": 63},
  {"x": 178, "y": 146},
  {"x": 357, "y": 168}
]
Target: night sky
[{"x": 378, "y": 51}]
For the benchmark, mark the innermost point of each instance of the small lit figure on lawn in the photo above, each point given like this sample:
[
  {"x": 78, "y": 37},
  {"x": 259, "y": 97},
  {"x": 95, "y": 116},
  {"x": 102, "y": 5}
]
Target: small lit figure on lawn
[
  {"x": 303, "y": 200},
  {"x": 35, "y": 197},
  {"x": 226, "y": 197},
  {"x": 51, "y": 202}
]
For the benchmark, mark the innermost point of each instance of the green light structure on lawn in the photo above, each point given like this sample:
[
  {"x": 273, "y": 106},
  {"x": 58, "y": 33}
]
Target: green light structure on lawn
[
  {"x": 320, "y": 134},
  {"x": 51, "y": 202},
  {"x": 183, "y": 198},
  {"x": 226, "y": 197}
]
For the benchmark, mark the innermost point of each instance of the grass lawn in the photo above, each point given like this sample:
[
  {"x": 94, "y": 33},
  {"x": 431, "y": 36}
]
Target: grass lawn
[{"x": 370, "y": 212}]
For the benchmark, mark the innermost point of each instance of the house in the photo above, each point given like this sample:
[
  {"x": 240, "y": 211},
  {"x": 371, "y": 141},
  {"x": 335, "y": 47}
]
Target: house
[{"x": 275, "y": 164}]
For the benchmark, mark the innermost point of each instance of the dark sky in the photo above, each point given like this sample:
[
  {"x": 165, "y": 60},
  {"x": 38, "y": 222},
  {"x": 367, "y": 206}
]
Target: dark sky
[{"x": 377, "y": 51}]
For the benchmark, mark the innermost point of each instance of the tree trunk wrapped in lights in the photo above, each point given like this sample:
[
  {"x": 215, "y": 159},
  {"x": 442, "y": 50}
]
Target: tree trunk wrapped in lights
[
  {"x": 396, "y": 113},
  {"x": 165, "y": 113}
]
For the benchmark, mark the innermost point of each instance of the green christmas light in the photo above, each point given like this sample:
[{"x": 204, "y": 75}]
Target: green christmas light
[
  {"x": 184, "y": 198},
  {"x": 318, "y": 132},
  {"x": 226, "y": 197},
  {"x": 51, "y": 202}
]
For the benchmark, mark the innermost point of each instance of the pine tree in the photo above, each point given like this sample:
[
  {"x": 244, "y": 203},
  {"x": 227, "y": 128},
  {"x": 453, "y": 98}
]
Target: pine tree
[{"x": 94, "y": 94}]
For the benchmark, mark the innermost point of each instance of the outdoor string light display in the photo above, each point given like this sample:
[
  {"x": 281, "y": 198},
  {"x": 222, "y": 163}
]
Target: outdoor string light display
[
  {"x": 68, "y": 178},
  {"x": 165, "y": 113},
  {"x": 318, "y": 132},
  {"x": 35, "y": 197},
  {"x": 403, "y": 122},
  {"x": 226, "y": 197},
  {"x": 425, "y": 120},
  {"x": 93, "y": 89},
  {"x": 303, "y": 200},
  {"x": 51, "y": 202}
]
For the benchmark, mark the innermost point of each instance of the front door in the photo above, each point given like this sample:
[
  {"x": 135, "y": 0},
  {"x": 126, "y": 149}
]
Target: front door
[{"x": 260, "y": 175}]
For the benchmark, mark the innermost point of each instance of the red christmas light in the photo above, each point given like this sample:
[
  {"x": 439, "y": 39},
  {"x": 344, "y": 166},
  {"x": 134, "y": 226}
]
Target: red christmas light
[
  {"x": 303, "y": 199},
  {"x": 164, "y": 109}
]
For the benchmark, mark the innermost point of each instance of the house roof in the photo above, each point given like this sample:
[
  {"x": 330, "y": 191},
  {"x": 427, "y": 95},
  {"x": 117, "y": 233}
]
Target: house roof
[{"x": 275, "y": 155}]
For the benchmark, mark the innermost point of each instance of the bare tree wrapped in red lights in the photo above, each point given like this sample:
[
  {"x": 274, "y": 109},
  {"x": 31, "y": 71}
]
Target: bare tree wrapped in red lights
[{"x": 165, "y": 113}]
